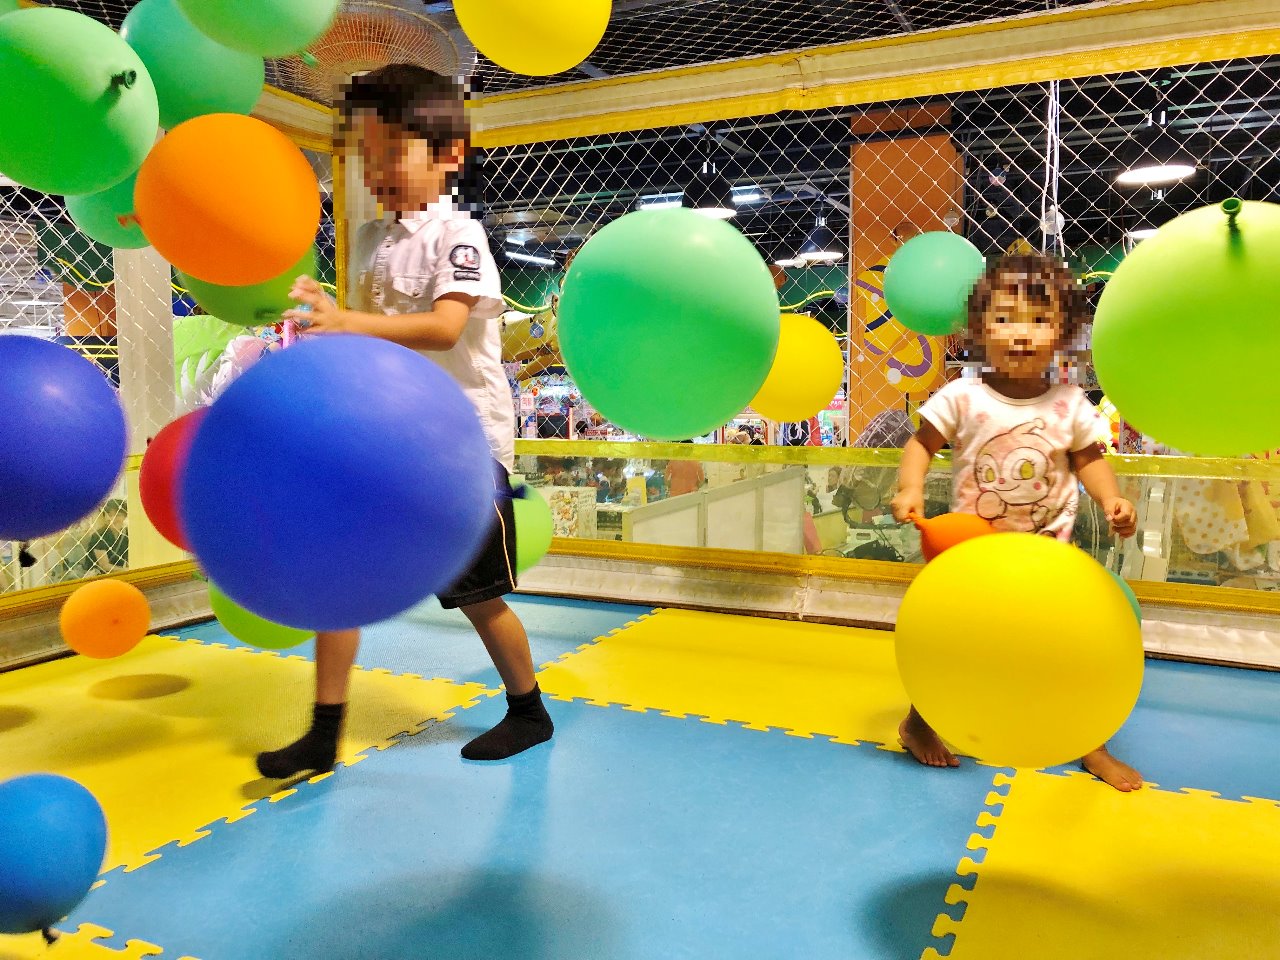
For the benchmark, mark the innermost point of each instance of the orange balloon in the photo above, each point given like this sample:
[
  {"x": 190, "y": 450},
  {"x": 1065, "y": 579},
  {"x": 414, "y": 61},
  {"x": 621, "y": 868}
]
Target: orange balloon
[
  {"x": 939, "y": 533},
  {"x": 228, "y": 199},
  {"x": 105, "y": 618}
]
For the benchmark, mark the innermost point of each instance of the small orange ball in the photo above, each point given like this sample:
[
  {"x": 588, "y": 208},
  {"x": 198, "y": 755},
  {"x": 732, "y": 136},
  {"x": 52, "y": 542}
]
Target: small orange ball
[
  {"x": 105, "y": 618},
  {"x": 939, "y": 533},
  {"x": 228, "y": 200}
]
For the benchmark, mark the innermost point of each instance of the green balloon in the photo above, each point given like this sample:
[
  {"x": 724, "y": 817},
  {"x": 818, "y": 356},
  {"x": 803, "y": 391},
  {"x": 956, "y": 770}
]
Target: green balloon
[
  {"x": 1128, "y": 593},
  {"x": 669, "y": 322},
  {"x": 8, "y": 6},
  {"x": 193, "y": 74},
  {"x": 928, "y": 282},
  {"x": 256, "y": 305},
  {"x": 1186, "y": 333},
  {"x": 77, "y": 108},
  {"x": 268, "y": 28},
  {"x": 98, "y": 216},
  {"x": 251, "y": 628},
  {"x": 534, "y": 526}
]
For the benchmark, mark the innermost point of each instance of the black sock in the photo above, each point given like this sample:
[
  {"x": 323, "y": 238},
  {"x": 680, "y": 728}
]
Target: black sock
[
  {"x": 526, "y": 725},
  {"x": 315, "y": 752}
]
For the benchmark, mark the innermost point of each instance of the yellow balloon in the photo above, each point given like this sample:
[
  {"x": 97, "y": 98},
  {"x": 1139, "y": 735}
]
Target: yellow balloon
[
  {"x": 807, "y": 371},
  {"x": 534, "y": 37},
  {"x": 1020, "y": 650}
]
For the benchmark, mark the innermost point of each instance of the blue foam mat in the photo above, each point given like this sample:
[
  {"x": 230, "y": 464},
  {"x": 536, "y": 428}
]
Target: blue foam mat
[{"x": 629, "y": 836}]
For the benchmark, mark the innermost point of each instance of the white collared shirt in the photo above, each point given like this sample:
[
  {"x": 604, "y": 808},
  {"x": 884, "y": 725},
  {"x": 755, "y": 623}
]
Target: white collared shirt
[{"x": 406, "y": 264}]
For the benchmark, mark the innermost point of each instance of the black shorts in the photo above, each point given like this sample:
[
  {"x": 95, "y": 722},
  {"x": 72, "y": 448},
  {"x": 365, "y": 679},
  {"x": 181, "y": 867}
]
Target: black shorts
[{"x": 493, "y": 572}]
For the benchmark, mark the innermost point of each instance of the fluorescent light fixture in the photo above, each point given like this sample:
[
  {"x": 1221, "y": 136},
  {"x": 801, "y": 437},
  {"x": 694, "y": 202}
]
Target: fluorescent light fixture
[
  {"x": 1141, "y": 233},
  {"x": 36, "y": 303},
  {"x": 530, "y": 258},
  {"x": 748, "y": 194},
  {"x": 660, "y": 201},
  {"x": 793, "y": 262}
]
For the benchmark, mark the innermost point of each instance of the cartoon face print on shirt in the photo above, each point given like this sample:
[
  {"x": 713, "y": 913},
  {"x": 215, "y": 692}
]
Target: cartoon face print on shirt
[{"x": 1014, "y": 472}]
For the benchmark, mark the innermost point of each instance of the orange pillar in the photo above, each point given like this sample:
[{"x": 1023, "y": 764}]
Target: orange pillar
[{"x": 902, "y": 186}]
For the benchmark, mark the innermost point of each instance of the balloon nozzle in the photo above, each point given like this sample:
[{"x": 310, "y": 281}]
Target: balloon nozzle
[
  {"x": 309, "y": 58},
  {"x": 125, "y": 78},
  {"x": 1232, "y": 207},
  {"x": 50, "y": 937}
]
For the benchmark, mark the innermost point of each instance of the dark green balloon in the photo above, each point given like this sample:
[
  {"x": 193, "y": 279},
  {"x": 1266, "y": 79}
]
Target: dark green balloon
[
  {"x": 98, "y": 216},
  {"x": 256, "y": 305},
  {"x": 193, "y": 74},
  {"x": 268, "y": 28},
  {"x": 928, "y": 282},
  {"x": 1186, "y": 333},
  {"x": 1128, "y": 593},
  {"x": 78, "y": 110},
  {"x": 669, "y": 322}
]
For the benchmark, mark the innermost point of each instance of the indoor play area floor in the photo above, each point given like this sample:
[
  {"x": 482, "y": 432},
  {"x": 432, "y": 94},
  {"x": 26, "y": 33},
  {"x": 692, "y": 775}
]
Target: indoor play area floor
[{"x": 718, "y": 787}]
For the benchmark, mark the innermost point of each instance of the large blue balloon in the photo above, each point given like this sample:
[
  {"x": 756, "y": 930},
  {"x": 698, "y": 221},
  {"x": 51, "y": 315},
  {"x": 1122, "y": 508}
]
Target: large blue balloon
[
  {"x": 62, "y": 437},
  {"x": 338, "y": 483},
  {"x": 53, "y": 839}
]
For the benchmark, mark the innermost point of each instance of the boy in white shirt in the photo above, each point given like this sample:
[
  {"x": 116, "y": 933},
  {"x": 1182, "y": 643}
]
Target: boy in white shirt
[{"x": 427, "y": 280}]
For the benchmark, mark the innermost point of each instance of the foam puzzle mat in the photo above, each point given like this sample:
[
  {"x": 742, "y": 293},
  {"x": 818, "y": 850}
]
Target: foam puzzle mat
[
  {"x": 805, "y": 679},
  {"x": 165, "y": 736}
]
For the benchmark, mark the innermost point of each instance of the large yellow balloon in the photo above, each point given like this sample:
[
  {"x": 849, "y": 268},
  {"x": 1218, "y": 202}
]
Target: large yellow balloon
[
  {"x": 807, "y": 371},
  {"x": 1020, "y": 650},
  {"x": 534, "y": 37}
]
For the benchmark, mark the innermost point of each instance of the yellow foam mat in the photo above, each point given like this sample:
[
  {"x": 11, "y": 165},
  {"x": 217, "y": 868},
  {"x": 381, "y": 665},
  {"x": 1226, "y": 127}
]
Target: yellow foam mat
[
  {"x": 165, "y": 736},
  {"x": 808, "y": 679},
  {"x": 1075, "y": 870},
  {"x": 75, "y": 945}
]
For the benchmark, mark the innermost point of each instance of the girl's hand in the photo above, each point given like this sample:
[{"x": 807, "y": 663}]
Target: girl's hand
[
  {"x": 1122, "y": 515},
  {"x": 323, "y": 315},
  {"x": 907, "y": 505}
]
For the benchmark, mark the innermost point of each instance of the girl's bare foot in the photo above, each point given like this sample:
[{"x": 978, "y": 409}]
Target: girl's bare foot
[
  {"x": 923, "y": 744},
  {"x": 1110, "y": 770}
]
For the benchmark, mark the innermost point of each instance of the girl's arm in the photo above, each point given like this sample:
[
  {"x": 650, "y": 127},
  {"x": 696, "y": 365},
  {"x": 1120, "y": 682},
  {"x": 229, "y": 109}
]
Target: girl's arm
[
  {"x": 913, "y": 469},
  {"x": 1100, "y": 481}
]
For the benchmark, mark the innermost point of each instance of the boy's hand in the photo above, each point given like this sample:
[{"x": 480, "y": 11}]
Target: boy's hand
[
  {"x": 324, "y": 315},
  {"x": 1122, "y": 516},
  {"x": 907, "y": 505}
]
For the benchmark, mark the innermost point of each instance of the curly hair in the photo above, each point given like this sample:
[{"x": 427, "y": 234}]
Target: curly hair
[{"x": 1042, "y": 279}]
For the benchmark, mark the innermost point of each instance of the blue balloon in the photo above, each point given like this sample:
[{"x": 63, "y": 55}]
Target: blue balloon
[
  {"x": 62, "y": 437},
  {"x": 1129, "y": 594},
  {"x": 53, "y": 840},
  {"x": 338, "y": 483}
]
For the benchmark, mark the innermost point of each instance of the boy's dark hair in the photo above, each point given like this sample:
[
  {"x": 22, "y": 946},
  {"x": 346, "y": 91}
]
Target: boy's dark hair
[
  {"x": 424, "y": 103},
  {"x": 1041, "y": 278}
]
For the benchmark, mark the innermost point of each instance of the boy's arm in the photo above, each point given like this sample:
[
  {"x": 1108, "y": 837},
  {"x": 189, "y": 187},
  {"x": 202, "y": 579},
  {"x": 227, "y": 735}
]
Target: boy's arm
[
  {"x": 1100, "y": 481},
  {"x": 438, "y": 330}
]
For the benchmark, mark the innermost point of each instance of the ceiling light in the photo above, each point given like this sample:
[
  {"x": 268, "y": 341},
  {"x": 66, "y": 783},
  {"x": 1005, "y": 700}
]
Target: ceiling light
[
  {"x": 660, "y": 201},
  {"x": 1141, "y": 233},
  {"x": 821, "y": 246},
  {"x": 530, "y": 258},
  {"x": 710, "y": 193},
  {"x": 1154, "y": 157}
]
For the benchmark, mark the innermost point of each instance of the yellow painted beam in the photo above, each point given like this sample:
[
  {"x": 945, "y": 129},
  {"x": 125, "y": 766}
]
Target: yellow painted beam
[{"x": 1064, "y": 44}]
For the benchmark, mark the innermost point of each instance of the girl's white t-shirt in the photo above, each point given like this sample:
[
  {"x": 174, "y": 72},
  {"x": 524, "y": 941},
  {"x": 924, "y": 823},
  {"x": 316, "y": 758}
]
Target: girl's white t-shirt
[{"x": 1010, "y": 457}]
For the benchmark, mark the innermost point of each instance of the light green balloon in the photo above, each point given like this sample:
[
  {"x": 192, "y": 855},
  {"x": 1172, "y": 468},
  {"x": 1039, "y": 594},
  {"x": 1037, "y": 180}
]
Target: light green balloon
[
  {"x": 928, "y": 282},
  {"x": 534, "y": 526},
  {"x": 268, "y": 28},
  {"x": 77, "y": 107},
  {"x": 98, "y": 216},
  {"x": 256, "y": 305},
  {"x": 193, "y": 74},
  {"x": 669, "y": 323},
  {"x": 1129, "y": 595},
  {"x": 1186, "y": 333},
  {"x": 8, "y": 6},
  {"x": 251, "y": 628}
]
